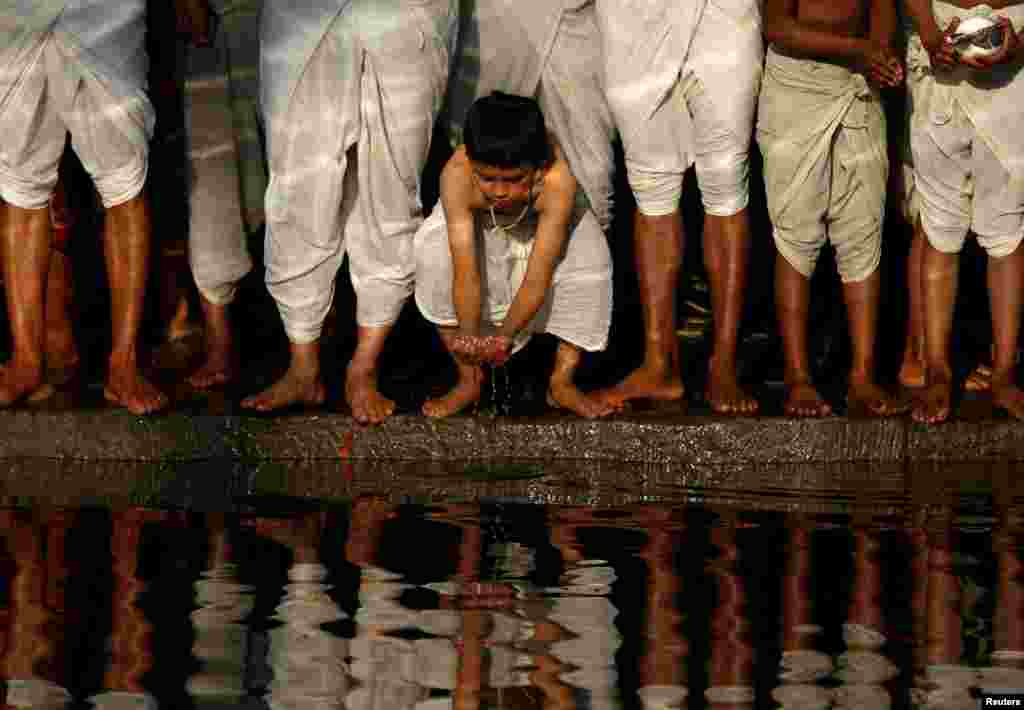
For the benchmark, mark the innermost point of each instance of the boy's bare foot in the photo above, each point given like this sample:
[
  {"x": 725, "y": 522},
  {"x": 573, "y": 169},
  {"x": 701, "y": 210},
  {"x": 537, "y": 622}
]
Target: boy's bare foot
[
  {"x": 911, "y": 373},
  {"x": 980, "y": 380},
  {"x": 218, "y": 369},
  {"x": 934, "y": 405},
  {"x": 125, "y": 386},
  {"x": 804, "y": 401},
  {"x": 1006, "y": 395},
  {"x": 368, "y": 405},
  {"x": 867, "y": 398},
  {"x": 645, "y": 382},
  {"x": 465, "y": 392},
  {"x": 18, "y": 381},
  {"x": 725, "y": 395},
  {"x": 219, "y": 365},
  {"x": 566, "y": 395},
  {"x": 294, "y": 387}
]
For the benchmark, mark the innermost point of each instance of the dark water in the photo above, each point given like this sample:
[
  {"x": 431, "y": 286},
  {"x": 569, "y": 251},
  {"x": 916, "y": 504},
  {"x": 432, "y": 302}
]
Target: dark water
[{"x": 487, "y": 604}]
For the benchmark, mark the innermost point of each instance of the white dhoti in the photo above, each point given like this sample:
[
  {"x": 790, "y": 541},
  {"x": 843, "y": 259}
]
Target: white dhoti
[
  {"x": 350, "y": 91},
  {"x": 549, "y": 50},
  {"x": 78, "y": 66},
  {"x": 821, "y": 130},
  {"x": 968, "y": 149},
  {"x": 227, "y": 166},
  {"x": 577, "y": 307},
  {"x": 682, "y": 81}
]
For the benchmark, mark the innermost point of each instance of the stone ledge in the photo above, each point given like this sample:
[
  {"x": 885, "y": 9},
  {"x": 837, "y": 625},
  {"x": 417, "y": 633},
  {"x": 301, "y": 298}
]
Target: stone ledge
[{"x": 112, "y": 435}]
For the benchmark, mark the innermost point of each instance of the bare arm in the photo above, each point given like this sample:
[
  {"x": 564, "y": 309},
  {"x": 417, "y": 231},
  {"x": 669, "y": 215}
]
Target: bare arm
[
  {"x": 456, "y": 195},
  {"x": 552, "y": 233},
  {"x": 882, "y": 29},
  {"x": 934, "y": 38}
]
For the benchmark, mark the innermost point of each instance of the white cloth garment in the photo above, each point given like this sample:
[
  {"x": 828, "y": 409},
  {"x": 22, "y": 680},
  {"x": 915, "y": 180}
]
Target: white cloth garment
[
  {"x": 225, "y": 151},
  {"x": 78, "y": 66},
  {"x": 968, "y": 149},
  {"x": 578, "y": 305},
  {"x": 682, "y": 79},
  {"x": 350, "y": 90},
  {"x": 821, "y": 130},
  {"x": 549, "y": 50}
]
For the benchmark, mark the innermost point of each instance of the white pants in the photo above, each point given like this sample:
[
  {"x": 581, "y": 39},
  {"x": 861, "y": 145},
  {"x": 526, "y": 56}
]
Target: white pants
[
  {"x": 345, "y": 162},
  {"x": 50, "y": 91}
]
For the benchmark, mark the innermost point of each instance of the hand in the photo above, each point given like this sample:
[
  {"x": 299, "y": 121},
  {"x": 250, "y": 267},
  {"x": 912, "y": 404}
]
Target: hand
[
  {"x": 478, "y": 349},
  {"x": 195, "y": 21},
  {"x": 880, "y": 65},
  {"x": 940, "y": 47},
  {"x": 1007, "y": 51}
]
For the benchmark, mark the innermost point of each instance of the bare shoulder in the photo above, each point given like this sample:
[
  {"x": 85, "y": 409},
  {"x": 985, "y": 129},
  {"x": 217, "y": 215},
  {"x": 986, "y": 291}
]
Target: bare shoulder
[{"x": 558, "y": 190}]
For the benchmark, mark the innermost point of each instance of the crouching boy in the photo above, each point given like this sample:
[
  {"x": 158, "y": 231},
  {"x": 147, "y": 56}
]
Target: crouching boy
[{"x": 512, "y": 249}]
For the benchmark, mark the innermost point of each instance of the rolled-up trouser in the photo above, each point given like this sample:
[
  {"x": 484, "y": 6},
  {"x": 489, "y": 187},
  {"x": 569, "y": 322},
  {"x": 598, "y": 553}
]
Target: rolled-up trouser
[
  {"x": 345, "y": 162},
  {"x": 577, "y": 307},
  {"x": 225, "y": 159},
  {"x": 54, "y": 91},
  {"x": 698, "y": 123}
]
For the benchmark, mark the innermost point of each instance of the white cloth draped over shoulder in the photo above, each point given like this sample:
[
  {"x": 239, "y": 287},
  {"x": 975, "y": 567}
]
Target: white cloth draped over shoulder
[{"x": 549, "y": 50}]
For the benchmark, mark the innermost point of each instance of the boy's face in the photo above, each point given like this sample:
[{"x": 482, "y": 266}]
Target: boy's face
[{"x": 503, "y": 187}]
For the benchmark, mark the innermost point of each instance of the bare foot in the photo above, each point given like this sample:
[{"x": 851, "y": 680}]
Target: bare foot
[
  {"x": 218, "y": 366},
  {"x": 934, "y": 404},
  {"x": 465, "y": 392},
  {"x": 643, "y": 383},
  {"x": 294, "y": 387},
  {"x": 725, "y": 395},
  {"x": 566, "y": 395},
  {"x": 804, "y": 401},
  {"x": 17, "y": 381},
  {"x": 368, "y": 405},
  {"x": 980, "y": 380},
  {"x": 867, "y": 398},
  {"x": 125, "y": 386},
  {"x": 1008, "y": 396},
  {"x": 912, "y": 373}
]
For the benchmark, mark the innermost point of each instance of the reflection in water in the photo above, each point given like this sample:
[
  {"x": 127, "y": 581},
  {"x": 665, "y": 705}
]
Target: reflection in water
[{"x": 373, "y": 606}]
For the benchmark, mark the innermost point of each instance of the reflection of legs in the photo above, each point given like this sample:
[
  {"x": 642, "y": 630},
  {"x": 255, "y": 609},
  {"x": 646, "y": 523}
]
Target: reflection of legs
[
  {"x": 25, "y": 245},
  {"x": 127, "y": 245}
]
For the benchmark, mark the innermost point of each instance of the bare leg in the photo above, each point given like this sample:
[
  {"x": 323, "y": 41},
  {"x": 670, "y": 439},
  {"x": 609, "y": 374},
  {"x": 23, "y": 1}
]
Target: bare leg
[
  {"x": 1005, "y": 280},
  {"x": 862, "y": 308},
  {"x": 25, "y": 243},
  {"x": 980, "y": 380},
  {"x": 912, "y": 368},
  {"x": 218, "y": 366},
  {"x": 368, "y": 405},
  {"x": 301, "y": 384},
  {"x": 62, "y": 358},
  {"x": 127, "y": 245},
  {"x": 659, "y": 255},
  {"x": 938, "y": 287},
  {"x": 174, "y": 305},
  {"x": 562, "y": 391},
  {"x": 726, "y": 249},
  {"x": 466, "y": 390},
  {"x": 792, "y": 293}
]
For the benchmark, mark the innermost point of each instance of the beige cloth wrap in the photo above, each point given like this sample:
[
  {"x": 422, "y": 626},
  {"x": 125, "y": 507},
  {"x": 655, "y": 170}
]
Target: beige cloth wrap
[{"x": 821, "y": 130}]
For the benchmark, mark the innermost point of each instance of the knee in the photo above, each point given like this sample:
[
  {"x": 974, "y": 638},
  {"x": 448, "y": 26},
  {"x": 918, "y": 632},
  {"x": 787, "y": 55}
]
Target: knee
[
  {"x": 724, "y": 179},
  {"x": 657, "y": 194},
  {"x": 799, "y": 250},
  {"x": 858, "y": 258}
]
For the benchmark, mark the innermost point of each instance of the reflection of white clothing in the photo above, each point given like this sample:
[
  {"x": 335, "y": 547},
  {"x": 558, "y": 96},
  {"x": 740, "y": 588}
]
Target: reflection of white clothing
[
  {"x": 549, "y": 50},
  {"x": 73, "y": 66},
  {"x": 228, "y": 170},
  {"x": 577, "y": 307},
  {"x": 822, "y": 133},
  {"x": 968, "y": 149},
  {"x": 682, "y": 80},
  {"x": 350, "y": 91},
  {"x": 36, "y": 694},
  {"x": 220, "y": 635}
]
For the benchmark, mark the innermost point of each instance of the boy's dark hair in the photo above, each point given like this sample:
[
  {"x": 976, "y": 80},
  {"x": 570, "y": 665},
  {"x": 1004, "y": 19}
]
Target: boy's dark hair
[{"x": 506, "y": 131}]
